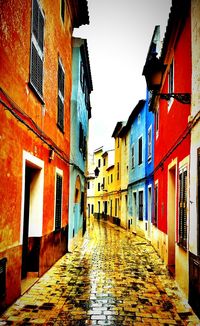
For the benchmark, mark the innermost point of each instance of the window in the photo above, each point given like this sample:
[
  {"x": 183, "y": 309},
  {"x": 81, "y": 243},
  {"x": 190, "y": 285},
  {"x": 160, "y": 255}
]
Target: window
[
  {"x": 37, "y": 49},
  {"x": 92, "y": 209},
  {"x": 156, "y": 205},
  {"x": 141, "y": 205},
  {"x": 88, "y": 185},
  {"x": 104, "y": 162},
  {"x": 62, "y": 10},
  {"x": 171, "y": 78},
  {"x": 81, "y": 137},
  {"x": 118, "y": 171},
  {"x": 103, "y": 182},
  {"x": 58, "y": 208},
  {"x": 99, "y": 186},
  {"x": 183, "y": 208},
  {"x": 82, "y": 76},
  {"x": 140, "y": 151},
  {"x": 111, "y": 177},
  {"x": 149, "y": 143},
  {"x": 157, "y": 121},
  {"x": 61, "y": 80},
  {"x": 99, "y": 163},
  {"x": 116, "y": 206},
  {"x": 133, "y": 156},
  {"x": 171, "y": 82}
]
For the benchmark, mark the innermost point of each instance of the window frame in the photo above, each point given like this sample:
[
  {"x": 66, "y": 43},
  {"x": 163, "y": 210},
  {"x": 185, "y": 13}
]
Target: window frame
[
  {"x": 155, "y": 220},
  {"x": 182, "y": 208},
  {"x": 149, "y": 147}
]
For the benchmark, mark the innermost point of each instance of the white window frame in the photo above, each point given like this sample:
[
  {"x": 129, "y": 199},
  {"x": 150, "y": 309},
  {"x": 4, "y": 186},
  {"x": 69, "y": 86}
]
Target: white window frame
[{"x": 149, "y": 144}]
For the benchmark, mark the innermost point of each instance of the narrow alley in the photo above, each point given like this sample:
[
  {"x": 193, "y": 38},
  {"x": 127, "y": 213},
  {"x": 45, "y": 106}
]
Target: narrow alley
[{"x": 112, "y": 278}]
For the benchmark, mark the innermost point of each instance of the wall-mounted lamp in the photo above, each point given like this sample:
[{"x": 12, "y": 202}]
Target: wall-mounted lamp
[
  {"x": 51, "y": 155},
  {"x": 153, "y": 71}
]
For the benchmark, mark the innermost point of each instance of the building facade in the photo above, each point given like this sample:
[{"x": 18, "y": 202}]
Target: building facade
[
  {"x": 35, "y": 93},
  {"x": 194, "y": 208},
  {"x": 170, "y": 231},
  {"x": 79, "y": 120}
]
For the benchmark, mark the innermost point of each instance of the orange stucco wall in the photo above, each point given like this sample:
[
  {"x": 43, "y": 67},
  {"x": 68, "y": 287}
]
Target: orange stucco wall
[{"x": 16, "y": 137}]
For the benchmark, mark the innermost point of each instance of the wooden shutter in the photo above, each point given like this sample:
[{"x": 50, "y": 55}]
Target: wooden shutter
[
  {"x": 37, "y": 48},
  {"x": 58, "y": 210},
  {"x": 61, "y": 82},
  {"x": 183, "y": 209}
]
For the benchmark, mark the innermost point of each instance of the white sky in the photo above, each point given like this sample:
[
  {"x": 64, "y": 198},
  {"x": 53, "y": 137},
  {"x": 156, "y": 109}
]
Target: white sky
[{"x": 118, "y": 37}]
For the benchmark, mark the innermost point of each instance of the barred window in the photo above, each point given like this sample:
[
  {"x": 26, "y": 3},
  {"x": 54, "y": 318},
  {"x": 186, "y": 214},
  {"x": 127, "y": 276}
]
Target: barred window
[
  {"x": 37, "y": 49},
  {"x": 61, "y": 82},
  {"x": 58, "y": 208}
]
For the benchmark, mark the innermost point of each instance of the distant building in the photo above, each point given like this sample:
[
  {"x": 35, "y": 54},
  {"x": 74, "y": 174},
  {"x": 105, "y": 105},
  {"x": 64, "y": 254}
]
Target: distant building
[{"x": 35, "y": 94}]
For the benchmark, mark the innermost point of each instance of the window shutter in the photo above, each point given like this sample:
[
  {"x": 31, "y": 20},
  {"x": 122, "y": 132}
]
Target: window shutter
[
  {"x": 37, "y": 48},
  {"x": 58, "y": 210},
  {"x": 61, "y": 83},
  {"x": 133, "y": 157},
  {"x": 156, "y": 205},
  {"x": 80, "y": 136},
  {"x": 141, "y": 205},
  {"x": 183, "y": 209},
  {"x": 140, "y": 151},
  {"x": 180, "y": 208}
]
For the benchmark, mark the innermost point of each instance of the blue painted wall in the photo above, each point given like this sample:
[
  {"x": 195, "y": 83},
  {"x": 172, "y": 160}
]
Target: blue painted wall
[
  {"x": 79, "y": 113},
  {"x": 141, "y": 176}
]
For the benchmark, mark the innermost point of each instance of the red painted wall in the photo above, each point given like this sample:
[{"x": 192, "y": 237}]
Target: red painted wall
[{"x": 173, "y": 140}]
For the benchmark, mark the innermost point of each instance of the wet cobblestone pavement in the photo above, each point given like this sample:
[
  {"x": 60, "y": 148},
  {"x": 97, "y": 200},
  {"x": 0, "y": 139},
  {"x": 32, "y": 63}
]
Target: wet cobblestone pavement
[{"x": 111, "y": 278}]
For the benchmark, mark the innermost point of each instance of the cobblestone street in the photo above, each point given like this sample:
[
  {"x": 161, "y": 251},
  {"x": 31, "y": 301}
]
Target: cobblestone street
[{"x": 112, "y": 278}]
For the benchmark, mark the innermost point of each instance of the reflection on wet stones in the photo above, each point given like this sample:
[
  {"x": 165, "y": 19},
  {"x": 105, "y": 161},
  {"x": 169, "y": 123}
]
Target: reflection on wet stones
[{"x": 111, "y": 278}]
